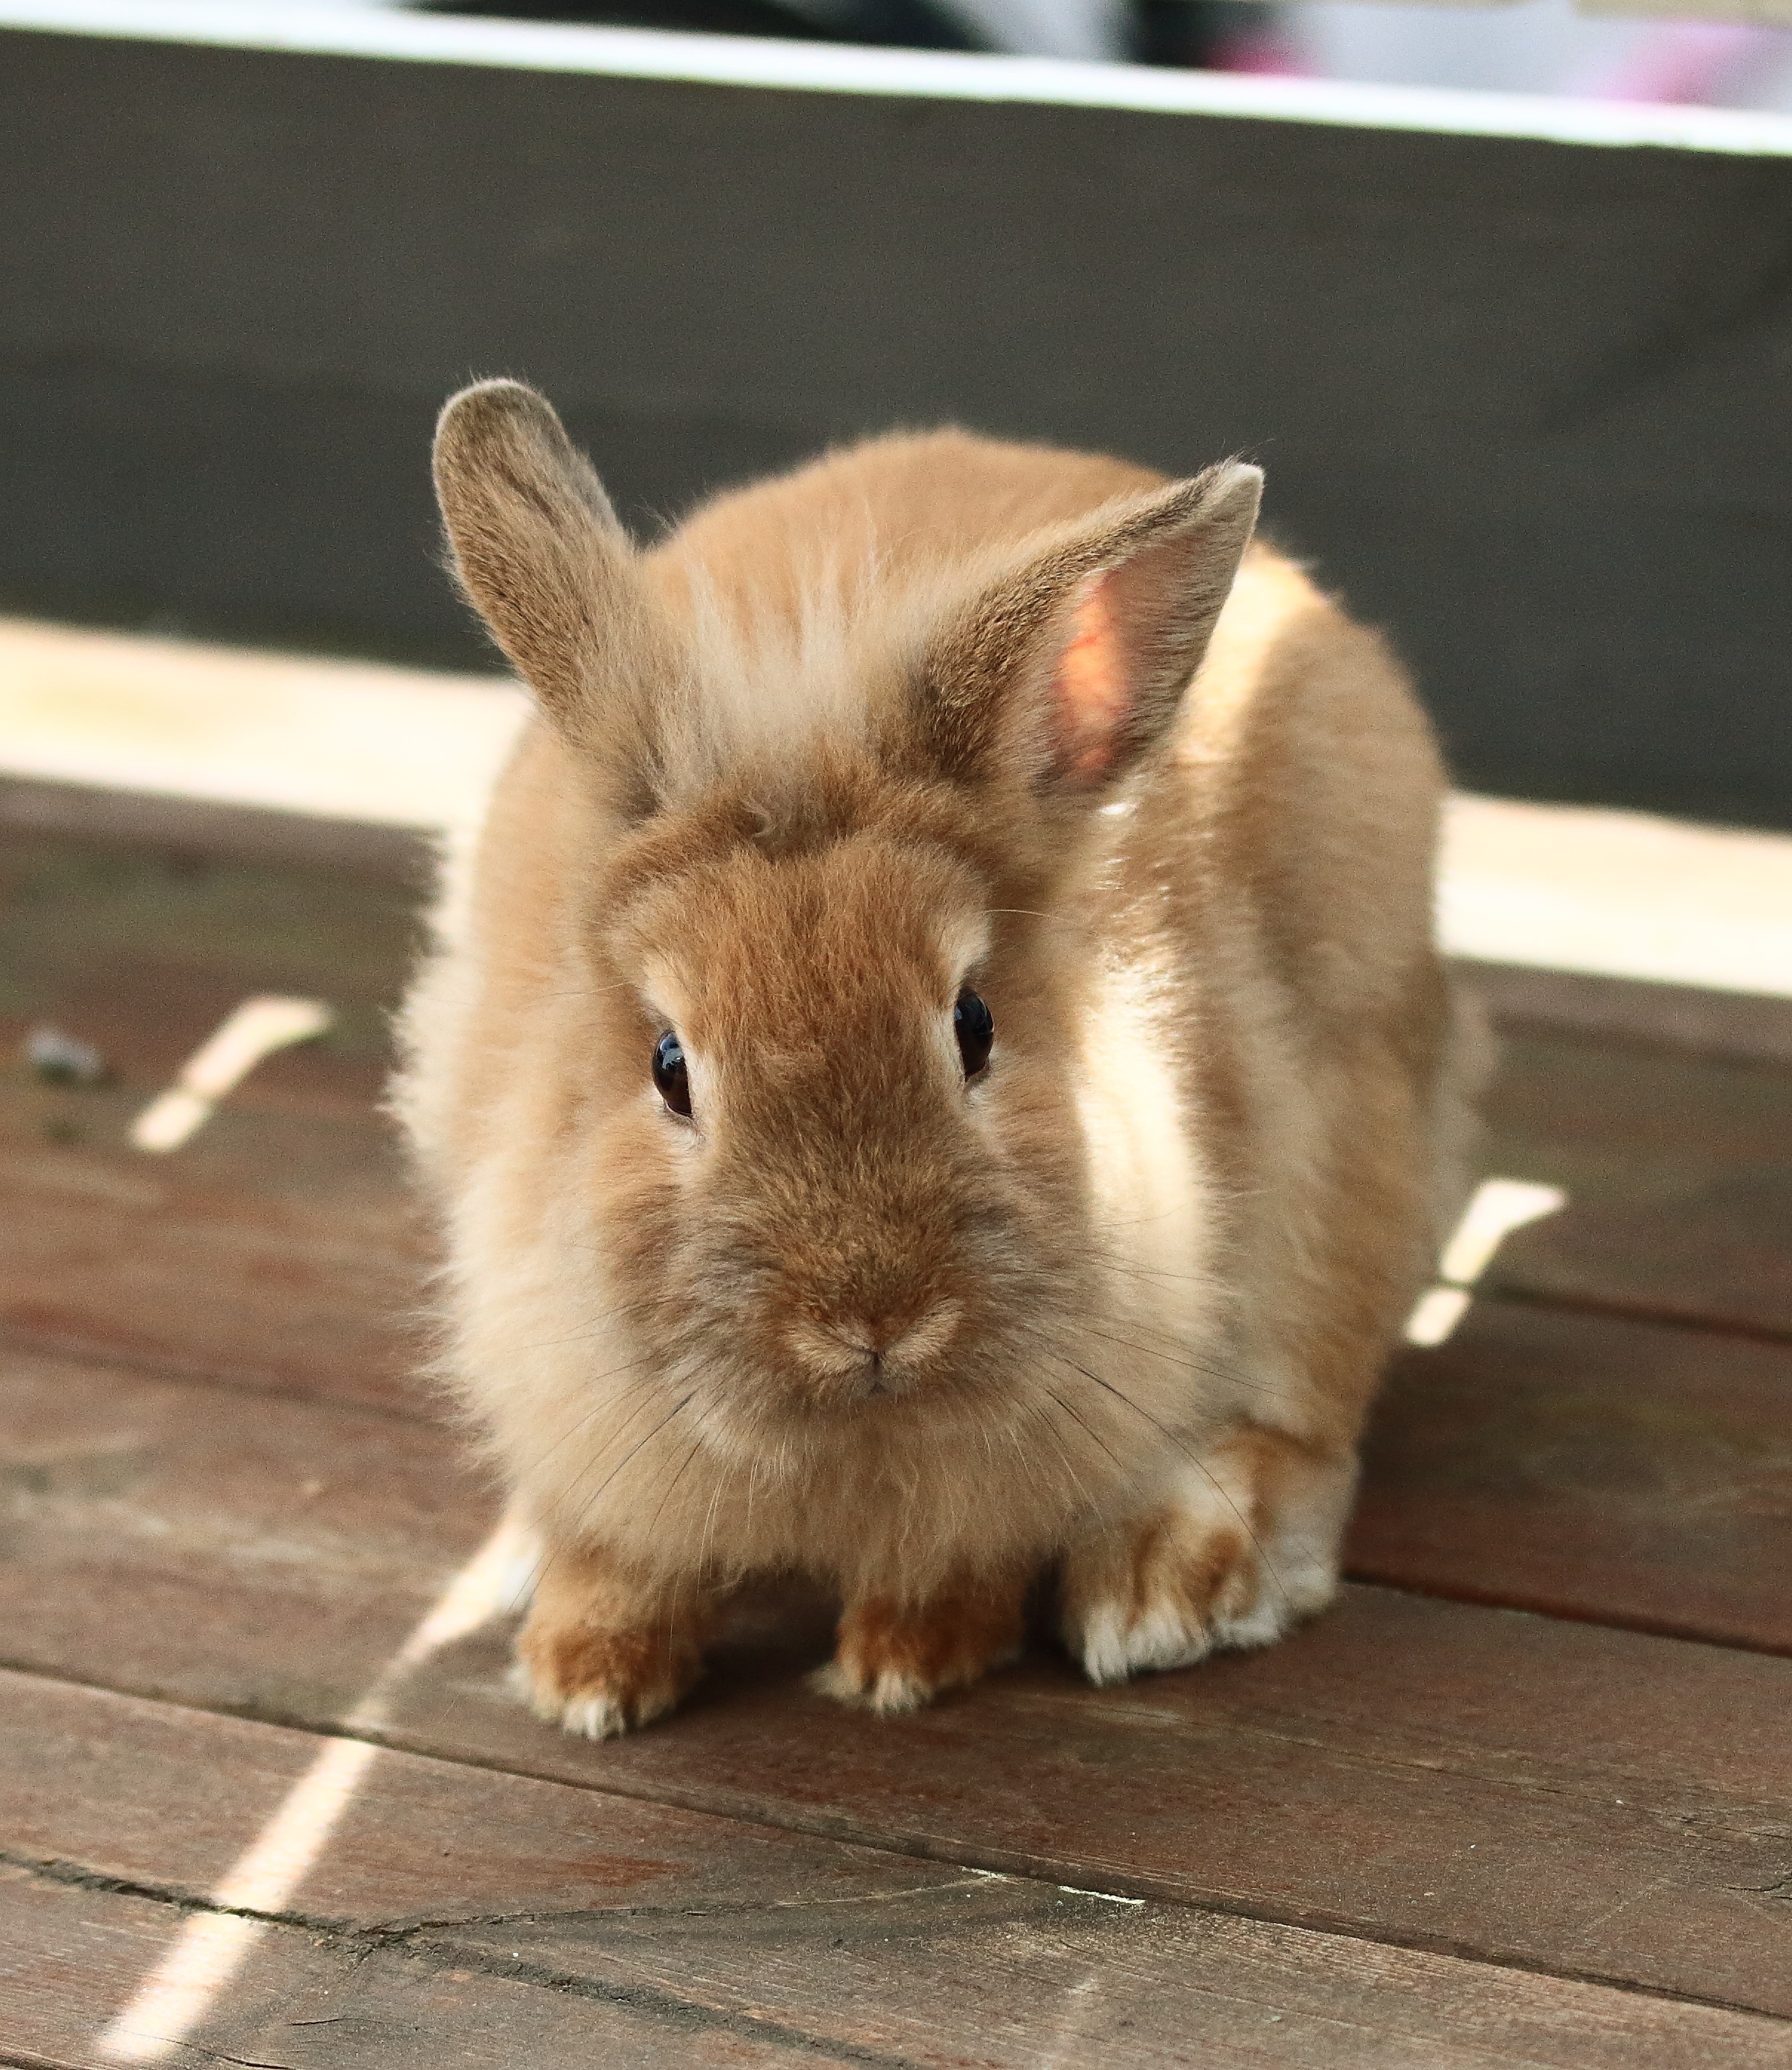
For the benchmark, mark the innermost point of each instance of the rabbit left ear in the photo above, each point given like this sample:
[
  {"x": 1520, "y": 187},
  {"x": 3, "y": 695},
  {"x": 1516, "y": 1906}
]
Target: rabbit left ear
[
  {"x": 540, "y": 553},
  {"x": 1068, "y": 669}
]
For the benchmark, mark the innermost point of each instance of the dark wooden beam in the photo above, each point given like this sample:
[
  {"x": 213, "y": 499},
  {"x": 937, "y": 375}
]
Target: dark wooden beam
[{"x": 1522, "y": 397}]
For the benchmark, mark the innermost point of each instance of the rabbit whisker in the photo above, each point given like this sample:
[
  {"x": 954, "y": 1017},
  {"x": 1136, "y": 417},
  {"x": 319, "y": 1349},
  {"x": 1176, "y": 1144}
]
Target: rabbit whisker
[
  {"x": 1228, "y": 1375},
  {"x": 1057, "y": 1438},
  {"x": 590, "y": 1502},
  {"x": 1195, "y": 1460}
]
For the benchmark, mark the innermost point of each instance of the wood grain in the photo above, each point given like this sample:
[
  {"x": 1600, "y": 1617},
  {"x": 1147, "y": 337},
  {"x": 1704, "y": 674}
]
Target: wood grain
[
  {"x": 1465, "y": 1779},
  {"x": 1402, "y": 1770},
  {"x": 490, "y": 1875},
  {"x": 1678, "y": 1173},
  {"x": 1588, "y": 1467},
  {"x": 71, "y": 1955},
  {"x": 165, "y": 1533},
  {"x": 277, "y": 1249}
]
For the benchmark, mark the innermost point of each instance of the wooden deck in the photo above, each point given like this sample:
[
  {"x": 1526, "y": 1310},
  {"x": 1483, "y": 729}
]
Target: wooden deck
[{"x": 1525, "y": 1796}]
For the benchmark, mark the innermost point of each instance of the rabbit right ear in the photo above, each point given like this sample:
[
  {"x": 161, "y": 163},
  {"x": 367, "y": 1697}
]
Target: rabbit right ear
[
  {"x": 540, "y": 553},
  {"x": 1070, "y": 667}
]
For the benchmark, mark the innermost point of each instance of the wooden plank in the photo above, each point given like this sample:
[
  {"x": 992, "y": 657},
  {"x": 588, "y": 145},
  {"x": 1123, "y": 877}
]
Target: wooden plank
[
  {"x": 1398, "y": 1771},
  {"x": 143, "y": 951},
  {"x": 1678, "y": 1173},
  {"x": 275, "y": 1250},
  {"x": 1734, "y": 1024},
  {"x": 69, "y": 1956},
  {"x": 280, "y": 1246},
  {"x": 1162, "y": 1985},
  {"x": 231, "y": 319},
  {"x": 162, "y": 1796},
  {"x": 196, "y": 827},
  {"x": 1626, "y": 895},
  {"x": 1591, "y": 1468},
  {"x": 494, "y": 1876},
  {"x": 400, "y": 748},
  {"x": 134, "y": 1500}
]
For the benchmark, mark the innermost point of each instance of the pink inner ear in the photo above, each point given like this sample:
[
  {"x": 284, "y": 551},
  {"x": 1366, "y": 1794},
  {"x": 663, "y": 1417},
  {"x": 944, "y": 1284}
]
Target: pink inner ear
[{"x": 1089, "y": 684}]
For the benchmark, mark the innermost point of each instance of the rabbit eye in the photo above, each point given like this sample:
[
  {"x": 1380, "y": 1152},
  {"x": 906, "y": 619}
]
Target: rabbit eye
[
  {"x": 670, "y": 1075},
  {"x": 975, "y": 1026}
]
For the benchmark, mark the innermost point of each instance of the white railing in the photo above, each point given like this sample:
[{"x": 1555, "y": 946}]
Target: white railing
[{"x": 388, "y": 31}]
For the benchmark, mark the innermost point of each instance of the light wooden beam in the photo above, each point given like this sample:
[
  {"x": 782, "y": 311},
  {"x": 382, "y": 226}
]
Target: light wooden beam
[{"x": 1549, "y": 887}]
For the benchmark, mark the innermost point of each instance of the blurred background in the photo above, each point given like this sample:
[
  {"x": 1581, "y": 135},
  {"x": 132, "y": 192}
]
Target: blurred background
[
  {"x": 1535, "y": 47},
  {"x": 1500, "y": 296}
]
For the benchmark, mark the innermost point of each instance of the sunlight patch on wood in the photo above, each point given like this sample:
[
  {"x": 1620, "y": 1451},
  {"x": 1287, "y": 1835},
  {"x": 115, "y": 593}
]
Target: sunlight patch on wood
[
  {"x": 1616, "y": 894},
  {"x": 334, "y": 739},
  {"x": 1499, "y": 1207},
  {"x": 212, "y": 1946},
  {"x": 255, "y": 1030},
  {"x": 1435, "y": 1315}
]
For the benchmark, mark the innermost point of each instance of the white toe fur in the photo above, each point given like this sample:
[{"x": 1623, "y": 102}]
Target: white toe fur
[
  {"x": 1114, "y": 1647},
  {"x": 832, "y": 1680},
  {"x": 890, "y": 1695},
  {"x": 522, "y": 1685},
  {"x": 593, "y": 1714},
  {"x": 594, "y": 1717},
  {"x": 1115, "y": 1642},
  {"x": 1131, "y": 1606},
  {"x": 1261, "y": 1626}
]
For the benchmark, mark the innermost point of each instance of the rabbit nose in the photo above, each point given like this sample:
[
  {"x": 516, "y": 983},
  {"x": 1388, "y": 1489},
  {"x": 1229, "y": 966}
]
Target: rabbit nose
[
  {"x": 864, "y": 1351},
  {"x": 872, "y": 1338},
  {"x": 902, "y": 1337}
]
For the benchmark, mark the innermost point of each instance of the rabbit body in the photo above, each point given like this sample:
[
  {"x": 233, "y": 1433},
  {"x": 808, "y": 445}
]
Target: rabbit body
[{"x": 912, "y": 725}]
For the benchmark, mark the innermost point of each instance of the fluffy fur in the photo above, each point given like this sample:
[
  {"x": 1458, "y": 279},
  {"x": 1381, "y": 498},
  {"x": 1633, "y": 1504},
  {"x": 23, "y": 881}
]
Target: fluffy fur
[{"x": 930, "y": 713}]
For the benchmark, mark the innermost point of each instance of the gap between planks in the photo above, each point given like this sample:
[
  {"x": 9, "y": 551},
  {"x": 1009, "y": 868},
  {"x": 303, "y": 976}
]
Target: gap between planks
[
  {"x": 413, "y": 1999},
  {"x": 1611, "y": 1308}
]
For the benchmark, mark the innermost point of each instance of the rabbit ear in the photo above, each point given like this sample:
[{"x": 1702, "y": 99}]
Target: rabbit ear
[
  {"x": 540, "y": 553},
  {"x": 1068, "y": 669}
]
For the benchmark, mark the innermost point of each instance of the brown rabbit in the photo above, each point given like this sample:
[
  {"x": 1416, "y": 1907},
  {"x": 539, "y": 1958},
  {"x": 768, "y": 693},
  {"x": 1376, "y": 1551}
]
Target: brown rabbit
[{"x": 939, "y": 1070}]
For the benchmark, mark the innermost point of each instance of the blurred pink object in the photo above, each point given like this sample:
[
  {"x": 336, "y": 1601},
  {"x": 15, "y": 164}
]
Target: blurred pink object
[
  {"x": 1680, "y": 63},
  {"x": 1260, "y": 51}
]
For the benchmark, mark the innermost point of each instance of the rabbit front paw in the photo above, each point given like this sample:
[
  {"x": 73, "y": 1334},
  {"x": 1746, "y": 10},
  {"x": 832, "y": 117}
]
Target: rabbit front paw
[
  {"x": 601, "y": 1684},
  {"x": 1246, "y": 1548},
  {"x": 599, "y": 1654},
  {"x": 890, "y": 1657}
]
